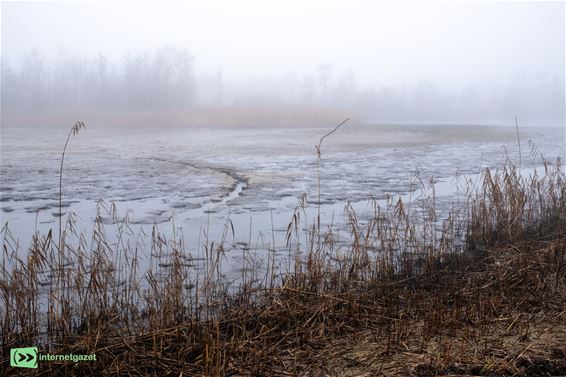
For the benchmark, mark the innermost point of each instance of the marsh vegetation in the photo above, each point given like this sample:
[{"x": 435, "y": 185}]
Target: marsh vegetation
[{"x": 481, "y": 292}]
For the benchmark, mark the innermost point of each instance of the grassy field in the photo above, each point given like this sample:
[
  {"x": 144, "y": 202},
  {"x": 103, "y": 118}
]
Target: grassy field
[{"x": 481, "y": 293}]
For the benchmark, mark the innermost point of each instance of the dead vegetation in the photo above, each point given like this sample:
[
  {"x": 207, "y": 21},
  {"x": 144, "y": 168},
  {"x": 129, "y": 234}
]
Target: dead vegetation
[{"x": 481, "y": 293}]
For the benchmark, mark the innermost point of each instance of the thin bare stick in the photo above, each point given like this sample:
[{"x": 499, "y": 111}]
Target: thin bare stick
[
  {"x": 518, "y": 140},
  {"x": 328, "y": 134},
  {"x": 74, "y": 131},
  {"x": 317, "y": 147}
]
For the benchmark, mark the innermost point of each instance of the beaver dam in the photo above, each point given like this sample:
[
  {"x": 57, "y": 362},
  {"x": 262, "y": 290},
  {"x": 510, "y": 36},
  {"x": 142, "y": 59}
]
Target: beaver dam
[{"x": 398, "y": 277}]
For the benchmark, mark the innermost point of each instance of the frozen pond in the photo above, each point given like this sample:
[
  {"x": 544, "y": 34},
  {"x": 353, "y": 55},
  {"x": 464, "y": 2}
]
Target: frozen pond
[{"x": 196, "y": 179}]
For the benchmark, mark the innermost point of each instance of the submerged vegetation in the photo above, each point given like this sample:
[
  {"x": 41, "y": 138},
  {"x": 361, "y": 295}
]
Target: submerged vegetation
[{"x": 482, "y": 292}]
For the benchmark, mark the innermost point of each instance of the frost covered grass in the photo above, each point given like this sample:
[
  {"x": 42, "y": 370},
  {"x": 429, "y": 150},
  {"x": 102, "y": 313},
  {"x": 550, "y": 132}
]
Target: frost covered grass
[{"x": 481, "y": 292}]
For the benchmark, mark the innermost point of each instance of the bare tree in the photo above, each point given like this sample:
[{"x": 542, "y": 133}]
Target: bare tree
[{"x": 325, "y": 73}]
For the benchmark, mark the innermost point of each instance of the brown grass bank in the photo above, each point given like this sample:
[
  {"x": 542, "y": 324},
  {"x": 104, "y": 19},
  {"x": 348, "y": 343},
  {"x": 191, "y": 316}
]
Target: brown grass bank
[
  {"x": 482, "y": 293},
  {"x": 265, "y": 116}
]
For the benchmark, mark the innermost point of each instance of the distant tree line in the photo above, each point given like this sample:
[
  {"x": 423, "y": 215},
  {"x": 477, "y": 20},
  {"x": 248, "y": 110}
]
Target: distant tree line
[
  {"x": 162, "y": 78},
  {"x": 535, "y": 98}
]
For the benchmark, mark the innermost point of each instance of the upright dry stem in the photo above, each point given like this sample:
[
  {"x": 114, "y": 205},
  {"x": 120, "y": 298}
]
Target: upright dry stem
[
  {"x": 74, "y": 131},
  {"x": 518, "y": 140},
  {"x": 317, "y": 147}
]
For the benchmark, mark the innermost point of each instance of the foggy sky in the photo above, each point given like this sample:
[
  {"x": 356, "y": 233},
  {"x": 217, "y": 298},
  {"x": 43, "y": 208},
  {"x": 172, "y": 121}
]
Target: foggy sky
[
  {"x": 384, "y": 43},
  {"x": 449, "y": 45}
]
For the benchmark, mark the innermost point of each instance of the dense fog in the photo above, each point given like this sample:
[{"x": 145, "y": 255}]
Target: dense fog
[
  {"x": 505, "y": 60},
  {"x": 149, "y": 79}
]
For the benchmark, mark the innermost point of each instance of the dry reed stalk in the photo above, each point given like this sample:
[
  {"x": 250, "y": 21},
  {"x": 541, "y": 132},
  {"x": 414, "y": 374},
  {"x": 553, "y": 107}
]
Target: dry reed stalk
[
  {"x": 73, "y": 132},
  {"x": 318, "y": 158}
]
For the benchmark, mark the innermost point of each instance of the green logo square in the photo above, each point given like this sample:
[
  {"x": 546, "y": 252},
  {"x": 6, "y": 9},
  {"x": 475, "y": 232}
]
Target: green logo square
[{"x": 23, "y": 357}]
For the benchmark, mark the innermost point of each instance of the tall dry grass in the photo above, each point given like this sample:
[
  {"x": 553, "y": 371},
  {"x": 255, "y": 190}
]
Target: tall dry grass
[{"x": 401, "y": 282}]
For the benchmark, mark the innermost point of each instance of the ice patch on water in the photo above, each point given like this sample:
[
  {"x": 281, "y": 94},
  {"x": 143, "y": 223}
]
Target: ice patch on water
[{"x": 199, "y": 178}]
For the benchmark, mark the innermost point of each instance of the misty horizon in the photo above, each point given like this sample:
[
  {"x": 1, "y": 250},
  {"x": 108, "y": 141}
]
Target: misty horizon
[{"x": 378, "y": 62}]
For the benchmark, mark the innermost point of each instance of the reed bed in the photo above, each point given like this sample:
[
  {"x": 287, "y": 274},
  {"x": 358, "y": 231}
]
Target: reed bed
[{"x": 482, "y": 292}]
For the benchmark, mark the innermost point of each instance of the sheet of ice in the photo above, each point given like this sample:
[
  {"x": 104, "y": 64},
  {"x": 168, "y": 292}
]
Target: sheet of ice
[{"x": 197, "y": 178}]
